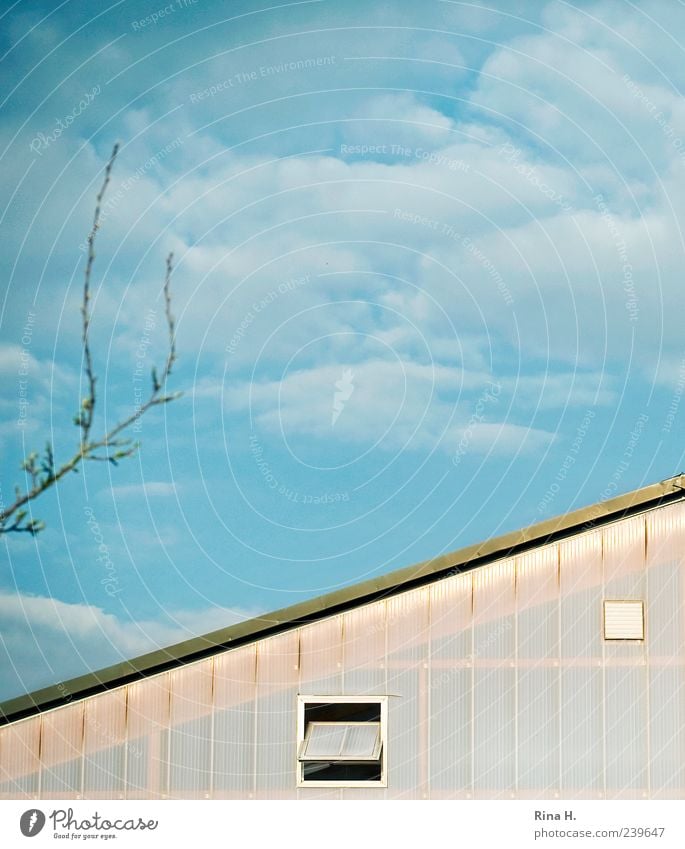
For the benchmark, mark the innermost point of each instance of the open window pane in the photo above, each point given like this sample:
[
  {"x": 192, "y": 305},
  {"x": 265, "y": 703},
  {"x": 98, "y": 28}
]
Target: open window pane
[
  {"x": 338, "y": 741},
  {"x": 323, "y": 741},
  {"x": 362, "y": 742}
]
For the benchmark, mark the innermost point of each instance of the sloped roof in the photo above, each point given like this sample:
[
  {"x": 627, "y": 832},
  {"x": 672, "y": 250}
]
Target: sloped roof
[{"x": 463, "y": 560}]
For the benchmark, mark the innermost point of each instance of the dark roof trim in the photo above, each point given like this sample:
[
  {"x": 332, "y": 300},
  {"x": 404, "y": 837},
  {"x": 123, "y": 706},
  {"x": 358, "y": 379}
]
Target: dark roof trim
[{"x": 551, "y": 530}]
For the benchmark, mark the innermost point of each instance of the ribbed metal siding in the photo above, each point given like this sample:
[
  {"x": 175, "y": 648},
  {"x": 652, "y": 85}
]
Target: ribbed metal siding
[
  {"x": 451, "y": 688},
  {"x": 148, "y": 737},
  {"x": 276, "y": 716},
  {"x": 407, "y": 662},
  {"x": 494, "y": 681},
  {"x": 20, "y": 759},
  {"x": 105, "y": 747},
  {"x": 582, "y": 674},
  {"x": 233, "y": 732},
  {"x": 499, "y": 685},
  {"x": 539, "y": 680},
  {"x": 665, "y": 651},
  {"x": 625, "y": 671}
]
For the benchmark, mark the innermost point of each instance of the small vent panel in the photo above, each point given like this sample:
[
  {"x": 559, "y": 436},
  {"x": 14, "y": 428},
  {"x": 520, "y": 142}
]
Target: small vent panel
[{"x": 624, "y": 620}]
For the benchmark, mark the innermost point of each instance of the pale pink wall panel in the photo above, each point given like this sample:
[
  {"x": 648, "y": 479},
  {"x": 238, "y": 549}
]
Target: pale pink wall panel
[
  {"x": 321, "y": 673},
  {"x": 105, "y": 748},
  {"x": 537, "y": 579},
  {"x": 62, "y": 752},
  {"x": 276, "y": 716},
  {"x": 625, "y": 734},
  {"x": 190, "y": 738},
  {"x": 582, "y": 666},
  {"x": 625, "y": 577},
  {"x": 665, "y": 565},
  {"x": 666, "y": 732},
  {"x": 539, "y": 682},
  {"x": 451, "y": 685},
  {"x": 451, "y": 617},
  {"x": 494, "y": 611},
  {"x": 408, "y": 689},
  {"x": 626, "y": 675},
  {"x": 19, "y": 759},
  {"x": 665, "y": 645},
  {"x": 148, "y": 735},
  {"x": 624, "y": 557},
  {"x": 537, "y": 607},
  {"x": 494, "y": 688},
  {"x": 581, "y": 577},
  {"x": 364, "y": 665},
  {"x": 321, "y": 653},
  {"x": 235, "y": 686},
  {"x": 364, "y": 632},
  {"x": 582, "y": 732}
]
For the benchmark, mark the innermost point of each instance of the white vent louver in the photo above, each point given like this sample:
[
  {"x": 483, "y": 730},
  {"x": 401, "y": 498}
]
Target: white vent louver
[{"x": 624, "y": 620}]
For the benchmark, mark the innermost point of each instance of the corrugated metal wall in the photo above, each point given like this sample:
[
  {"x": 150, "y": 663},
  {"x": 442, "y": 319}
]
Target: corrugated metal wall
[{"x": 500, "y": 685}]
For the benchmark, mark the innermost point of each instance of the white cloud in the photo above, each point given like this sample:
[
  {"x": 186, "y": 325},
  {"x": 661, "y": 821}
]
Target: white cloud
[
  {"x": 564, "y": 88},
  {"x": 237, "y": 236},
  {"x": 389, "y": 401},
  {"x": 148, "y": 489},
  {"x": 46, "y": 640},
  {"x": 401, "y": 405},
  {"x": 502, "y": 439},
  {"x": 553, "y": 391},
  {"x": 397, "y": 119},
  {"x": 33, "y": 391}
]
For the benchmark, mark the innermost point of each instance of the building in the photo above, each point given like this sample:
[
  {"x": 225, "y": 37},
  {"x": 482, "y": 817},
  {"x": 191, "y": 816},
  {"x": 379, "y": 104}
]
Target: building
[{"x": 547, "y": 663}]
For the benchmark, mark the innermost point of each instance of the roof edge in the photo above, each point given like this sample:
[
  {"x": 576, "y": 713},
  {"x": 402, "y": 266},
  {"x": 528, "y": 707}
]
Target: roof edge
[{"x": 464, "y": 559}]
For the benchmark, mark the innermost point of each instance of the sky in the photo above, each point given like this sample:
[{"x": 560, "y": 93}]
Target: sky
[{"x": 427, "y": 288}]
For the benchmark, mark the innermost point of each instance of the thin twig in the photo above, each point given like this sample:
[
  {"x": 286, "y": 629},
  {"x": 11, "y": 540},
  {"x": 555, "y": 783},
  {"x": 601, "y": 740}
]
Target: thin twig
[
  {"x": 47, "y": 474},
  {"x": 88, "y": 403}
]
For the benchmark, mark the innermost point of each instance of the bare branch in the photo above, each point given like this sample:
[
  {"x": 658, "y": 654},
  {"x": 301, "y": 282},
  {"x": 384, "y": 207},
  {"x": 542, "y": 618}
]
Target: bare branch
[
  {"x": 33, "y": 526},
  {"x": 171, "y": 324},
  {"x": 88, "y": 403},
  {"x": 44, "y": 474}
]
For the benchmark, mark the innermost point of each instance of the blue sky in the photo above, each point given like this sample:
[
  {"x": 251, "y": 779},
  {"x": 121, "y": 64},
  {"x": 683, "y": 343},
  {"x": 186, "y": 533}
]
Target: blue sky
[{"x": 428, "y": 289}]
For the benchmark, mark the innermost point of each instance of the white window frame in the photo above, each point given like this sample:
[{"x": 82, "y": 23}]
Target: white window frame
[{"x": 382, "y": 701}]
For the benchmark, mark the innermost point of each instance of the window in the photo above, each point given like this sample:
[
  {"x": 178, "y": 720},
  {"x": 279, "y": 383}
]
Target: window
[
  {"x": 341, "y": 741},
  {"x": 624, "y": 620}
]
